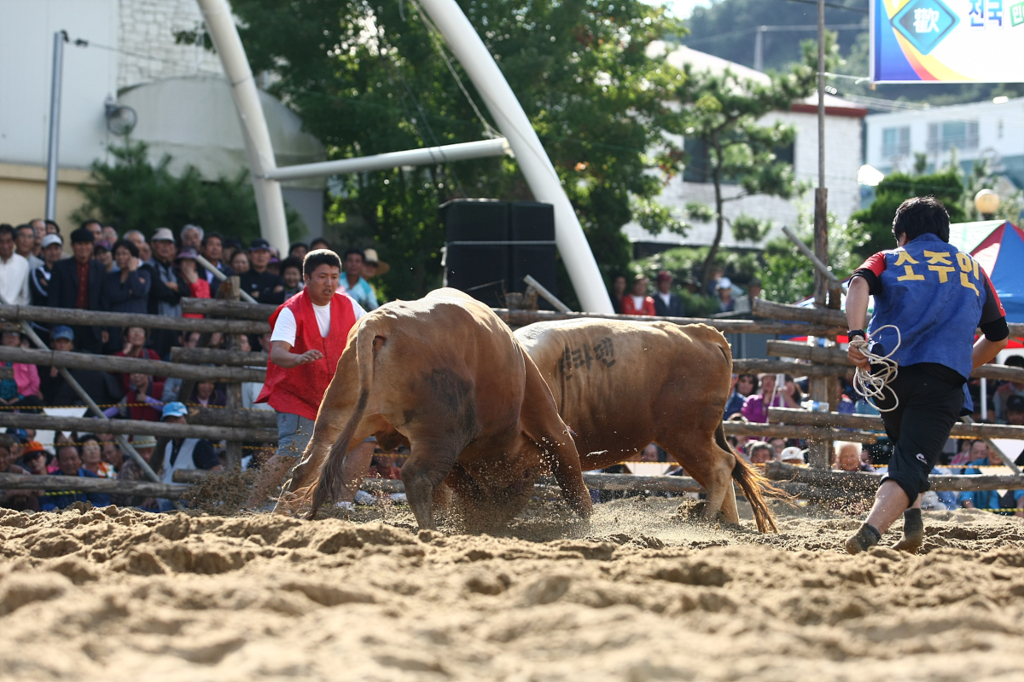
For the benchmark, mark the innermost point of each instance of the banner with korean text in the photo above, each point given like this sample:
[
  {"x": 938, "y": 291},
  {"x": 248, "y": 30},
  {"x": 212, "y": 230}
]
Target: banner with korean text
[{"x": 915, "y": 41}]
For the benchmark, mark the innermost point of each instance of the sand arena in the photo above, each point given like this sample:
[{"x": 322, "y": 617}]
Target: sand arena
[{"x": 642, "y": 593}]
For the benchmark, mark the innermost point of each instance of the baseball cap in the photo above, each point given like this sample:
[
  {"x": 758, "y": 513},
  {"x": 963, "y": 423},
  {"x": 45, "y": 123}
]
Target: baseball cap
[
  {"x": 664, "y": 276},
  {"x": 187, "y": 252},
  {"x": 82, "y": 236},
  {"x": 163, "y": 234},
  {"x": 174, "y": 409},
  {"x": 52, "y": 239},
  {"x": 1015, "y": 403},
  {"x": 258, "y": 244},
  {"x": 32, "y": 446},
  {"x": 62, "y": 331},
  {"x": 792, "y": 453},
  {"x": 724, "y": 283}
]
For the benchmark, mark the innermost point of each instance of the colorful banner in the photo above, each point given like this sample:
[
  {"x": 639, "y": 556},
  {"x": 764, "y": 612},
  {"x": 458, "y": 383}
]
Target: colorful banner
[{"x": 980, "y": 41}]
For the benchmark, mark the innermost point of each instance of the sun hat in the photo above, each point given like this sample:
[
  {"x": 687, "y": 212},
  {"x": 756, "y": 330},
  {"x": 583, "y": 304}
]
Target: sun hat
[
  {"x": 370, "y": 258},
  {"x": 163, "y": 234},
  {"x": 174, "y": 409}
]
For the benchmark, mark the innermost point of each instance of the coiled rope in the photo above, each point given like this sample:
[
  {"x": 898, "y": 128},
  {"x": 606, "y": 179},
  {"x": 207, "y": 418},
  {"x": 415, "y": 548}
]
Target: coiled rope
[{"x": 873, "y": 385}]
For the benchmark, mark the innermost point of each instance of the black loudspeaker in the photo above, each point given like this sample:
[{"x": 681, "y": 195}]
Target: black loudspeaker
[{"x": 492, "y": 245}]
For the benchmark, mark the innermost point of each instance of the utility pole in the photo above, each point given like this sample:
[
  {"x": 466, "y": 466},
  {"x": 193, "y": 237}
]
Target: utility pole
[
  {"x": 759, "y": 48},
  {"x": 59, "y": 38}
]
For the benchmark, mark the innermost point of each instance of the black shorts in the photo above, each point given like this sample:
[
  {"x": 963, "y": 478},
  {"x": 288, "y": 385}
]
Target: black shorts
[{"x": 930, "y": 397}]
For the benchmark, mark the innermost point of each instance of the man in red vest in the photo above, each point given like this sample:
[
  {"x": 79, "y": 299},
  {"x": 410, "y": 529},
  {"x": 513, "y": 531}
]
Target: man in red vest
[{"x": 310, "y": 330}]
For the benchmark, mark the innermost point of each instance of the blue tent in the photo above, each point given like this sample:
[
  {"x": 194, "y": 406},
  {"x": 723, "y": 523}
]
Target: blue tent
[{"x": 998, "y": 246}]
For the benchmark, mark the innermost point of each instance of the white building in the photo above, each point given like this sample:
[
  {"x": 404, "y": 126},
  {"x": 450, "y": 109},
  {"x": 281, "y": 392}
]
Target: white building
[
  {"x": 843, "y": 157},
  {"x": 179, "y": 93},
  {"x": 991, "y": 130}
]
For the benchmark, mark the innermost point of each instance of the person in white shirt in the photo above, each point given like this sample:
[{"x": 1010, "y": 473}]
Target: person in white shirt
[
  {"x": 13, "y": 270},
  {"x": 25, "y": 244}
]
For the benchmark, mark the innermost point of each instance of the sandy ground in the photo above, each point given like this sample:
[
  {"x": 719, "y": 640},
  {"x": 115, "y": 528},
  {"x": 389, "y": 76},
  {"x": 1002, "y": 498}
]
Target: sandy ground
[{"x": 640, "y": 594}]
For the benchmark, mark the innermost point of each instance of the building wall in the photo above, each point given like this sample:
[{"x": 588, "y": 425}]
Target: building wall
[
  {"x": 23, "y": 194},
  {"x": 1000, "y": 136}
]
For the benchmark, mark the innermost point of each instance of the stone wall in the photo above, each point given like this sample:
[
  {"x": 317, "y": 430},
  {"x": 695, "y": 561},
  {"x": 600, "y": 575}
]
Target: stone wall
[{"x": 146, "y": 39}]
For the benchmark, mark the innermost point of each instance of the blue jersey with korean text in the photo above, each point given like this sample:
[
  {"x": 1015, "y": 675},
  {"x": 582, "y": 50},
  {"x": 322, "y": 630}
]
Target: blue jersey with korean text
[{"x": 935, "y": 294}]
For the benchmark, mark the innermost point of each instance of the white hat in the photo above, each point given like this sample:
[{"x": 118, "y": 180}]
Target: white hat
[
  {"x": 52, "y": 239},
  {"x": 724, "y": 283},
  {"x": 792, "y": 453}
]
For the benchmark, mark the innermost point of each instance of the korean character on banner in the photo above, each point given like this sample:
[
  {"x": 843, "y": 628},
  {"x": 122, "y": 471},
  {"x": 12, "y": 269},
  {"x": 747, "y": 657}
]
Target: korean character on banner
[
  {"x": 1017, "y": 14},
  {"x": 995, "y": 11},
  {"x": 977, "y": 13}
]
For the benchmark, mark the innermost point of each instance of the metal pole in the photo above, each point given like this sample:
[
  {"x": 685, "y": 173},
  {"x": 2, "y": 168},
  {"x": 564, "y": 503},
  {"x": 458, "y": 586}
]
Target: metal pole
[
  {"x": 59, "y": 38},
  {"x": 90, "y": 403},
  {"x": 759, "y": 48},
  {"x": 548, "y": 296}
]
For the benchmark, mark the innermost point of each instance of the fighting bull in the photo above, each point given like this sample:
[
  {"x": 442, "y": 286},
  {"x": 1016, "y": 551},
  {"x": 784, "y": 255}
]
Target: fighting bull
[
  {"x": 446, "y": 376},
  {"x": 622, "y": 385}
]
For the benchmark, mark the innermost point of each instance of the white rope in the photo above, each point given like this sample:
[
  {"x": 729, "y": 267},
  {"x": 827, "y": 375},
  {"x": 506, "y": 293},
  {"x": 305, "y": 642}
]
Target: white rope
[{"x": 872, "y": 386}]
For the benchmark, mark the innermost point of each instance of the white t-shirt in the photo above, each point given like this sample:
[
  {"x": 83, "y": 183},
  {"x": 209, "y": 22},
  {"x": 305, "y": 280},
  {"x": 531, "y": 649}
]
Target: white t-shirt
[
  {"x": 665, "y": 297},
  {"x": 638, "y": 302},
  {"x": 284, "y": 330}
]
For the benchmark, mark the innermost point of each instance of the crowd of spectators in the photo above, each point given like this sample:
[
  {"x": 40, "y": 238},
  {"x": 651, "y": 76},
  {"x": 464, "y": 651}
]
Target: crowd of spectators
[
  {"x": 632, "y": 297},
  {"x": 127, "y": 273}
]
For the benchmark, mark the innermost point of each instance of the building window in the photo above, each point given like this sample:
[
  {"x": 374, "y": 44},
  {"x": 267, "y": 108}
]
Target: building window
[
  {"x": 697, "y": 162},
  {"x": 895, "y": 142},
  {"x": 948, "y": 134}
]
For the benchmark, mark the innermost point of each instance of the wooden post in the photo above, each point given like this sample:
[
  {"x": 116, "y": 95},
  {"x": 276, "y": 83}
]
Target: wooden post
[{"x": 230, "y": 290}]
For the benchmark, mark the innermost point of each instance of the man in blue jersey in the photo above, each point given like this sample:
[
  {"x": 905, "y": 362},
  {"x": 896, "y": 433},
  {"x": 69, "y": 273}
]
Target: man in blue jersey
[{"x": 937, "y": 296}]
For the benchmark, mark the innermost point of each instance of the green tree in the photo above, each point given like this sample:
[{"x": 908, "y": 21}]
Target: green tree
[
  {"x": 369, "y": 78},
  {"x": 133, "y": 194},
  {"x": 720, "y": 122},
  {"x": 872, "y": 226}
]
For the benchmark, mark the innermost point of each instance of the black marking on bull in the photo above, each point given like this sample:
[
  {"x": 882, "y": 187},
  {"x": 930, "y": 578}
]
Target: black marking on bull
[{"x": 455, "y": 396}]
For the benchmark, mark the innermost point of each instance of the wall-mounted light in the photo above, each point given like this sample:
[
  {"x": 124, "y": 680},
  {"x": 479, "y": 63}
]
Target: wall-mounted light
[{"x": 120, "y": 119}]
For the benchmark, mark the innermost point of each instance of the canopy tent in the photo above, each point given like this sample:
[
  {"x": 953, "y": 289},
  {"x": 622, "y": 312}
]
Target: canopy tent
[{"x": 998, "y": 246}]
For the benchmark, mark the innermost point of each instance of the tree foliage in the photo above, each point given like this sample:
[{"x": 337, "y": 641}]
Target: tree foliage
[
  {"x": 133, "y": 194},
  {"x": 369, "y": 78}
]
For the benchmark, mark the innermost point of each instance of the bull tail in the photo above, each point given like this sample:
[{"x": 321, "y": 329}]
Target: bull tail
[
  {"x": 331, "y": 482},
  {"x": 753, "y": 484}
]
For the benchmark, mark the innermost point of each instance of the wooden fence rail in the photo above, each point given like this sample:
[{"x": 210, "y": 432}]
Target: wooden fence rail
[
  {"x": 521, "y": 318},
  {"x": 112, "y": 363},
  {"x": 793, "y": 431},
  {"x": 796, "y": 369},
  {"x": 134, "y": 426},
  {"x": 217, "y": 356},
  {"x": 865, "y": 421},
  {"x": 247, "y": 419},
  {"x": 171, "y": 491},
  {"x": 73, "y": 316},
  {"x": 241, "y": 310},
  {"x": 868, "y": 482}
]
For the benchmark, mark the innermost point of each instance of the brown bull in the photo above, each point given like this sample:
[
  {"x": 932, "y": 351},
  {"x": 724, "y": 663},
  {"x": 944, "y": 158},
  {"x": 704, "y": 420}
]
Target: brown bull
[
  {"x": 622, "y": 385},
  {"x": 445, "y": 374}
]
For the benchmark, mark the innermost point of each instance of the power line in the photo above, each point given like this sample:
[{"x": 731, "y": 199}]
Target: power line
[{"x": 861, "y": 10}]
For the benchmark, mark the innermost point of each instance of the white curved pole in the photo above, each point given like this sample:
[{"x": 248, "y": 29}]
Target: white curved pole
[
  {"x": 269, "y": 201},
  {"x": 533, "y": 161}
]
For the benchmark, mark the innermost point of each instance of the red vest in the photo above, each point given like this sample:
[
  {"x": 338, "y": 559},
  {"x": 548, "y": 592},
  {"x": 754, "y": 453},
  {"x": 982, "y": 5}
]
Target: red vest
[{"x": 300, "y": 389}]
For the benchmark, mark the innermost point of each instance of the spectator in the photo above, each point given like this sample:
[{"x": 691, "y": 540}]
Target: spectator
[
  {"x": 844, "y": 404},
  {"x": 94, "y": 227},
  {"x": 184, "y": 453},
  {"x": 112, "y": 455},
  {"x": 743, "y": 386},
  {"x": 101, "y": 252},
  {"x": 23, "y": 390},
  {"x": 618, "y": 291},
  {"x": 383, "y": 466},
  {"x": 1015, "y": 410},
  {"x": 25, "y": 245},
  {"x": 34, "y": 458},
  {"x": 140, "y": 399},
  {"x": 1008, "y": 388},
  {"x": 92, "y": 457},
  {"x": 667, "y": 304},
  {"x": 755, "y": 407},
  {"x": 192, "y": 237},
  {"x": 100, "y": 386},
  {"x": 166, "y": 290},
  {"x": 847, "y": 457},
  {"x": 274, "y": 264},
  {"x": 39, "y": 279},
  {"x": 723, "y": 289},
  {"x": 759, "y": 452},
  {"x": 745, "y": 303},
  {"x": 976, "y": 450},
  {"x": 39, "y": 225},
  {"x": 258, "y": 282},
  {"x": 131, "y": 471},
  {"x": 373, "y": 267},
  {"x": 298, "y": 250},
  {"x": 213, "y": 251},
  {"x": 716, "y": 275},
  {"x": 70, "y": 463},
  {"x": 188, "y": 268},
  {"x": 145, "y": 253},
  {"x": 52, "y": 227},
  {"x": 240, "y": 263},
  {"x": 21, "y": 500},
  {"x": 127, "y": 288},
  {"x": 353, "y": 283},
  {"x": 251, "y": 389},
  {"x": 13, "y": 269},
  {"x": 778, "y": 447},
  {"x": 1009, "y": 504},
  {"x": 78, "y": 283},
  {"x": 110, "y": 234},
  {"x": 319, "y": 243},
  {"x": 133, "y": 345},
  {"x": 638, "y": 302},
  {"x": 291, "y": 273},
  {"x": 206, "y": 394},
  {"x": 231, "y": 246}
]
